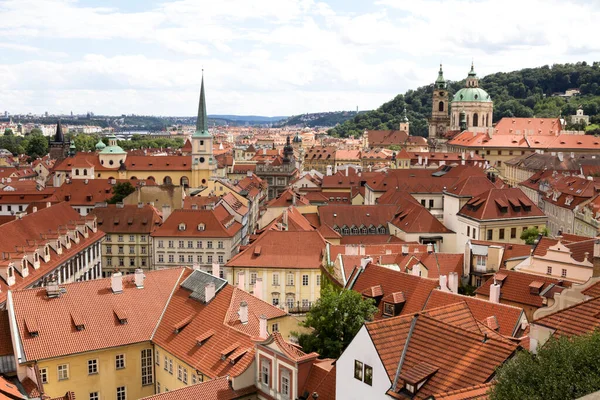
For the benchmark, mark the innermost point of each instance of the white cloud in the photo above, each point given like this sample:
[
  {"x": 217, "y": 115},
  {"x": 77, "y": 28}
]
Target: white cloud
[{"x": 270, "y": 57}]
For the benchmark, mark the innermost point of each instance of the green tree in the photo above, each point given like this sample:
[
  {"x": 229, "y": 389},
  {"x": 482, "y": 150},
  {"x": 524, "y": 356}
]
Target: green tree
[
  {"x": 120, "y": 191},
  {"x": 565, "y": 368},
  {"x": 8, "y": 132},
  {"x": 36, "y": 146},
  {"x": 36, "y": 131},
  {"x": 335, "y": 319},
  {"x": 529, "y": 235},
  {"x": 85, "y": 142}
]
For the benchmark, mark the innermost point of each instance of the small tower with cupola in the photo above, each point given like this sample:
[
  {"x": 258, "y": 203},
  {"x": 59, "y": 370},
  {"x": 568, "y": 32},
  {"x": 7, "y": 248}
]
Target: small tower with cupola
[{"x": 439, "y": 122}]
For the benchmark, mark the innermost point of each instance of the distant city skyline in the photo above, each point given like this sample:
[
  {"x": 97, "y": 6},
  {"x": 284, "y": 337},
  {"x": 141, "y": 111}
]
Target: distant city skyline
[{"x": 270, "y": 57}]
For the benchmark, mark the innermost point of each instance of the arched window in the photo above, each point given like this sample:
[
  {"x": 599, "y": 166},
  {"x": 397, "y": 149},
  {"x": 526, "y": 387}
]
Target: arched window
[
  {"x": 382, "y": 230},
  {"x": 184, "y": 181},
  {"x": 151, "y": 178},
  {"x": 354, "y": 230},
  {"x": 372, "y": 230},
  {"x": 76, "y": 172},
  {"x": 345, "y": 231},
  {"x": 167, "y": 180},
  {"x": 85, "y": 172},
  {"x": 475, "y": 119},
  {"x": 363, "y": 230},
  {"x": 133, "y": 178},
  {"x": 441, "y": 106}
]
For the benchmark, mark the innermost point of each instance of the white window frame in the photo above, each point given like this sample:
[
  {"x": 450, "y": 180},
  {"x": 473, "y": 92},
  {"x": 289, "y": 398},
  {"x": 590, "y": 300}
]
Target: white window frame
[
  {"x": 120, "y": 361},
  {"x": 122, "y": 393},
  {"x": 92, "y": 366},
  {"x": 63, "y": 372}
]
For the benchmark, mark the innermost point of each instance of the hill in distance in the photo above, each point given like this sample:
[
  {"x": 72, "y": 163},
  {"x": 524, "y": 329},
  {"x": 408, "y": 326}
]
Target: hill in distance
[{"x": 529, "y": 92}]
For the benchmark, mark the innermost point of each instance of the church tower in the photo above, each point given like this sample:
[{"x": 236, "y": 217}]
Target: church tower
[
  {"x": 439, "y": 122},
  {"x": 59, "y": 148},
  {"x": 203, "y": 162}
]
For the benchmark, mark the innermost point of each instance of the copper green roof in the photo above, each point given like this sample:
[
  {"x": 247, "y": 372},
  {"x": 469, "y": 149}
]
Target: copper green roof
[
  {"x": 440, "y": 82},
  {"x": 472, "y": 71},
  {"x": 202, "y": 121},
  {"x": 113, "y": 150},
  {"x": 100, "y": 145},
  {"x": 472, "y": 94}
]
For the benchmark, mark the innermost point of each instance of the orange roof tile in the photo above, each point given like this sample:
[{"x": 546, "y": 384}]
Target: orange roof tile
[
  {"x": 216, "y": 389},
  {"x": 508, "y": 317},
  {"x": 57, "y": 335},
  {"x": 515, "y": 287},
  {"x": 217, "y": 223},
  {"x": 416, "y": 289},
  {"x": 127, "y": 218},
  {"x": 6, "y": 348},
  {"x": 475, "y": 392},
  {"x": 578, "y": 319},
  {"x": 494, "y": 204},
  {"x": 321, "y": 380},
  {"x": 283, "y": 249}
]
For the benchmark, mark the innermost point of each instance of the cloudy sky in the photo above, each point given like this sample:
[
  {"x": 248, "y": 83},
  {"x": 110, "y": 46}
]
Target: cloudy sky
[{"x": 269, "y": 57}]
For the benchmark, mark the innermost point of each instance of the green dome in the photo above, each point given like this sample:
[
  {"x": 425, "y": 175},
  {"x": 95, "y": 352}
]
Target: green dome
[
  {"x": 100, "y": 145},
  {"x": 113, "y": 150},
  {"x": 472, "y": 94}
]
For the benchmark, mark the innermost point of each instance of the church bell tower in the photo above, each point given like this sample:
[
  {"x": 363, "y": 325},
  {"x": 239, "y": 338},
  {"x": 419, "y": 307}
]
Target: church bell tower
[{"x": 439, "y": 122}]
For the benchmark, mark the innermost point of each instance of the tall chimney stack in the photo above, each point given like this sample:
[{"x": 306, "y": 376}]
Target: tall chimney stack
[
  {"x": 139, "y": 278},
  {"x": 444, "y": 283},
  {"x": 209, "y": 292},
  {"x": 242, "y": 280},
  {"x": 258, "y": 288},
  {"x": 216, "y": 270},
  {"x": 116, "y": 282},
  {"x": 453, "y": 282},
  {"x": 263, "y": 326},
  {"x": 243, "y": 312},
  {"x": 495, "y": 292}
]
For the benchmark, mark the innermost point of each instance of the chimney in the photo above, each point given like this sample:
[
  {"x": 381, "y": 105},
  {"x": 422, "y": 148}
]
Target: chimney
[
  {"x": 263, "y": 326},
  {"x": 209, "y": 292},
  {"x": 52, "y": 288},
  {"x": 34, "y": 209},
  {"x": 116, "y": 282},
  {"x": 495, "y": 292},
  {"x": 48, "y": 204},
  {"x": 453, "y": 282},
  {"x": 166, "y": 211},
  {"x": 329, "y": 170},
  {"x": 216, "y": 270},
  {"x": 419, "y": 160},
  {"x": 139, "y": 278},
  {"x": 258, "y": 288},
  {"x": 444, "y": 283},
  {"x": 242, "y": 281},
  {"x": 404, "y": 249},
  {"x": 364, "y": 261},
  {"x": 429, "y": 248},
  {"x": 347, "y": 170},
  {"x": 243, "y": 312},
  {"x": 140, "y": 205},
  {"x": 249, "y": 174}
]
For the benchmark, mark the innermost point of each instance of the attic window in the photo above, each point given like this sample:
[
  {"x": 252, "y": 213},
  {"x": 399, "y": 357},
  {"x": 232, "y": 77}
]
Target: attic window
[
  {"x": 415, "y": 377},
  {"x": 257, "y": 250},
  {"x": 178, "y": 327},
  {"x": 32, "y": 327},
  {"x": 201, "y": 227},
  {"x": 129, "y": 221},
  {"x": 182, "y": 227},
  {"x": 388, "y": 309},
  {"x": 78, "y": 321},
  {"x": 535, "y": 287},
  {"x": 116, "y": 221},
  {"x": 200, "y": 340},
  {"x": 237, "y": 355},
  {"x": 227, "y": 351},
  {"x": 121, "y": 315}
]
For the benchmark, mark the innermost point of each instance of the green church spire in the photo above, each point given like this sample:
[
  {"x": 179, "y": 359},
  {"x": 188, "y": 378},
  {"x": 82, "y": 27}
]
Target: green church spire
[
  {"x": 440, "y": 82},
  {"x": 202, "y": 122}
]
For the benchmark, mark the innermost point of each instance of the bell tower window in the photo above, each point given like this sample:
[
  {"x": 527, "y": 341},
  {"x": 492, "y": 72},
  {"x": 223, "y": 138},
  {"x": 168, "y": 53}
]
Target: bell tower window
[{"x": 441, "y": 106}]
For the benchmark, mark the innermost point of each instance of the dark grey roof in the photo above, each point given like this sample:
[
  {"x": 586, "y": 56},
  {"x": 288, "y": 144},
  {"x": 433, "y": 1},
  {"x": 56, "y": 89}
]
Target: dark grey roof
[{"x": 197, "y": 282}]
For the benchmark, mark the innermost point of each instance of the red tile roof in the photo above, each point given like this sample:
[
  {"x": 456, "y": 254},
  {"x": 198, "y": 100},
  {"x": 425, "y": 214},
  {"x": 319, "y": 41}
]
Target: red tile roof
[
  {"x": 38, "y": 228},
  {"x": 460, "y": 357},
  {"x": 368, "y": 239},
  {"x": 98, "y": 306},
  {"x": 515, "y": 287},
  {"x": 593, "y": 291},
  {"x": 8, "y": 390},
  {"x": 216, "y": 389},
  {"x": 501, "y": 204},
  {"x": 6, "y": 348},
  {"x": 578, "y": 249},
  {"x": 283, "y": 249},
  {"x": 436, "y": 263},
  {"x": 127, "y": 218},
  {"x": 416, "y": 289},
  {"x": 217, "y": 224},
  {"x": 476, "y": 392},
  {"x": 286, "y": 198},
  {"x": 218, "y": 316},
  {"x": 578, "y": 319},
  {"x": 321, "y": 380},
  {"x": 508, "y": 317},
  {"x": 386, "y": 138}
]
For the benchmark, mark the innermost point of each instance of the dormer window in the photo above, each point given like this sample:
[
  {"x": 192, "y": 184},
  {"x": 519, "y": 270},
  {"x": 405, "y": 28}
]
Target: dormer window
[
  {"x": 388, "y": 309},
  {"x": 181, "y": 227},
  {"x": 415, "y": 377},
  {"x": 201, "y": 227}
]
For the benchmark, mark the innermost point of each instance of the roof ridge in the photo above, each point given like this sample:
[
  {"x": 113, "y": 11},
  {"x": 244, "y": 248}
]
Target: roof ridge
[
  {"x": 177, "y": 284},
  {"x": 477, "y": 299}
]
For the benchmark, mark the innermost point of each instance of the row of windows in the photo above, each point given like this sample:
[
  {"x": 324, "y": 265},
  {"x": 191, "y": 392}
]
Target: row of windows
[
  {"x": 181, "y": 244},
  {"x": 182, "y": 372},
  {"x": 121, "y": 261},
  {"x": 360, "y": 231},
  {"x": 563, "y": 272},
  {"x": 190, "y": 258},
  {"x": 94, "y": 368},
  {"x": 9, "y": 208},
  {"x": 284, "y": 378},
  {"x": 121, "y": 238},
  {"x": 289, "y": 279},
  {"x": 121, "y": 394},
  {"x": 121, "y": 249},
  {"x": 363, "y": 372},
  {"x": 502, "y": 233}
]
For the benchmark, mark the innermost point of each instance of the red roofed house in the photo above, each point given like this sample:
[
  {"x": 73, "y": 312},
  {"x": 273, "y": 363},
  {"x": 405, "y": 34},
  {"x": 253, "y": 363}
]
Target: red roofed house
[
  {"x": 281, "y": 267},
  {"x": 419, "y": 356},
  {"x": 127, "y": 245},
  {"x": 499, "y": 215},
  {"x": 52, "y": 242},
  {"x": 527, "y": 291},
  {"x": 196, "y": 238},
  {"x": 576, "y": 261}
]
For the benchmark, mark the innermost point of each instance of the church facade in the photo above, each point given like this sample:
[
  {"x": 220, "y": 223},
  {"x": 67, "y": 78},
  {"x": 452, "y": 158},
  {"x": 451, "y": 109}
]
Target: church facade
[{"x": 471, "y": 107}]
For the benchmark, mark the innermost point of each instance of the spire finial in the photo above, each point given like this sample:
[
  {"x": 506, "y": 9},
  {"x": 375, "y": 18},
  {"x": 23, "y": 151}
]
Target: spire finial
[{"x": 202, "y": 122}]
